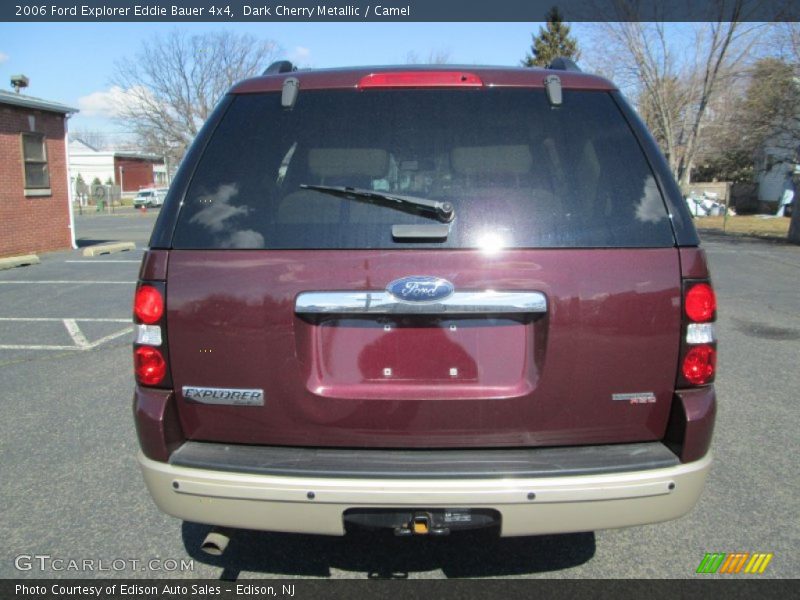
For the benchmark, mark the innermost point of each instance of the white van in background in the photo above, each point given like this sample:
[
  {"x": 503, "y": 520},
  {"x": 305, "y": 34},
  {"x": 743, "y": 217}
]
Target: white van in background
[{"x": 150, "y": 197}]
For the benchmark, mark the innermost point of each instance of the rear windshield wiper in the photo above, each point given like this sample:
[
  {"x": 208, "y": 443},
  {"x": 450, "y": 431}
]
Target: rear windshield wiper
[{"x": 443, "y": 211}]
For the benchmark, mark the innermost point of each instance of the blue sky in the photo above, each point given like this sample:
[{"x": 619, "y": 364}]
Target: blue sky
[{"x": 73, "y": 62}]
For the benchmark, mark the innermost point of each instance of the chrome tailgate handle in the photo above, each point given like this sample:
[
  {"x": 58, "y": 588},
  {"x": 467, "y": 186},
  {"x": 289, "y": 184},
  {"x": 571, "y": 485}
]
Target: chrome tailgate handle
[{"x": 384, "y": 303}]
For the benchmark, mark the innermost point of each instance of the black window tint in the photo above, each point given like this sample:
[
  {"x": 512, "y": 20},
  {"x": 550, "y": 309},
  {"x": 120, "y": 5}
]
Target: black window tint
[{"x": 519, "y": 172}]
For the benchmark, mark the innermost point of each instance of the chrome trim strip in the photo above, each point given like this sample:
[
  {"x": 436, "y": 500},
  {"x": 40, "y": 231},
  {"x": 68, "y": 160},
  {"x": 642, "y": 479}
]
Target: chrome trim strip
[{"x": 383, "y": 303}]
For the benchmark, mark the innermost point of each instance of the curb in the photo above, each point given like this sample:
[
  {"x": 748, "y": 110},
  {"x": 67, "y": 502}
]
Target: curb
[
  {"x": 109, "y": 248},
  {"x": 741, "y": 236},
  {"x": 18, "y": 261}
]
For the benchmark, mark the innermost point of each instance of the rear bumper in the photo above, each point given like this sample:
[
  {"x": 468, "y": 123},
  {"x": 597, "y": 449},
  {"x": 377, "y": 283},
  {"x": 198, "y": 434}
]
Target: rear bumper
[{"x": 316, "y": 504}]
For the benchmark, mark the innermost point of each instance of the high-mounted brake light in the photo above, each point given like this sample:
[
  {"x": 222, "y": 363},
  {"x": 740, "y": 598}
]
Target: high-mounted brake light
[
  {"x": 149, "y": 364},
  {"x": 700, "y": 303},
  {"x": 420, "y": 79},
  {"x": 148, "y": 305}
]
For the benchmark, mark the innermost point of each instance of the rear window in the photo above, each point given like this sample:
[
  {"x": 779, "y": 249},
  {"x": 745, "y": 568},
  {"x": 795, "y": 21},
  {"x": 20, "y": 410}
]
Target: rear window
[{"x": 519, "y": 173}]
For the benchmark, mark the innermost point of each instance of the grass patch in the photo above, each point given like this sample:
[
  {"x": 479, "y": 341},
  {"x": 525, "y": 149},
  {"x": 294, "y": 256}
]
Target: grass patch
[{"x": 771, "y": 227}]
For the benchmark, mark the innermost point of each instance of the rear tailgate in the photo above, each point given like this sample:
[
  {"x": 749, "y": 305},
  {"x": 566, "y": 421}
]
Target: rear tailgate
[
  {"x": 598, "y": 366},
  {"x": 560, "y": 201}
]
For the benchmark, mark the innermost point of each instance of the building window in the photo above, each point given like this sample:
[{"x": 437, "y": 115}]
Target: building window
[{"x": 34, "y": 157}]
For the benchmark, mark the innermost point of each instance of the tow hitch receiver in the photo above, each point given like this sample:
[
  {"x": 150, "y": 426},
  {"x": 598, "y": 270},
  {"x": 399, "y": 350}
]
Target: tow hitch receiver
[
  {"x": 422, "y": 524},
  {"x": 431, "y": 521}
]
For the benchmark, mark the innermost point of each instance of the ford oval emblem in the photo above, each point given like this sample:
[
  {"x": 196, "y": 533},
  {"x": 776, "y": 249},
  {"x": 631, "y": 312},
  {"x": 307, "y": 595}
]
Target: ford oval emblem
[{"x": 420, "y": 289}]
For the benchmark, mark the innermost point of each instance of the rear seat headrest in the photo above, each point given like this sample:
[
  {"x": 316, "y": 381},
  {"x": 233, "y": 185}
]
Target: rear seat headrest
[
  {"x": 482, "y": 160},
  {"x": 348, "y": 162}
]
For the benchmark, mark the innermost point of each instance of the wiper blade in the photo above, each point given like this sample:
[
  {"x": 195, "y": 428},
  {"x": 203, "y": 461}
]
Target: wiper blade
[{"x": 443, "y": 211}]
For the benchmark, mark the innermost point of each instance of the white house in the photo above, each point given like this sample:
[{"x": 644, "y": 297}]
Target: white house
[
  {"x": 777, "y": 161},
  {"x": 131, "y": 170}
]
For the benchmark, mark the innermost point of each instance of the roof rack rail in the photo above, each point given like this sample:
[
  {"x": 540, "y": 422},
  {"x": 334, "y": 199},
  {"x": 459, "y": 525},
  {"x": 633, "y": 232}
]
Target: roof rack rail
[
  {"x": 562, "y": 63},
  {"x": 280, "y": 66}
]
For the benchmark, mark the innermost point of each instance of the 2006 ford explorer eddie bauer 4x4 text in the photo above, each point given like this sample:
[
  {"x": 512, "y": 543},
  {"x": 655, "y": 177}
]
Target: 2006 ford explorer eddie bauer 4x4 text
[{"x": 429, "y": 299}]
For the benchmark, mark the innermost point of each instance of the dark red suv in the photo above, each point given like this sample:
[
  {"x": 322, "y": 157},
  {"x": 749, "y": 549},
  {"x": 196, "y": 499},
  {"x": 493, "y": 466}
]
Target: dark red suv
[{"x": 425, "y": 298}]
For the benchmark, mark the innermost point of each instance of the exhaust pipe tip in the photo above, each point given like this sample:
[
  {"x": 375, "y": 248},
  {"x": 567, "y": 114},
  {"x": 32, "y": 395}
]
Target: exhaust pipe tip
[{"x": 216, "y": 541}]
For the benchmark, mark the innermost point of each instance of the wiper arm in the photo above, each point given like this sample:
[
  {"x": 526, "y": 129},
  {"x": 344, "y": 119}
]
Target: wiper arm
[{"x": 443, "y": 211}]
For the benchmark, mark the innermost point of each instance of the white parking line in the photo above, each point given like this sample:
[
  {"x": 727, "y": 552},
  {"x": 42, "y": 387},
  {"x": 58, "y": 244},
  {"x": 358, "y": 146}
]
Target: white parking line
[
  {"x": 75, "y": 333},
  {"x": 81, "y": 343},
  {"x": 61, "y": 281},
  {"x": 92, "y": 319},
  {"x": 100, "y": 262},
  {"x": 23, "y": 347}
]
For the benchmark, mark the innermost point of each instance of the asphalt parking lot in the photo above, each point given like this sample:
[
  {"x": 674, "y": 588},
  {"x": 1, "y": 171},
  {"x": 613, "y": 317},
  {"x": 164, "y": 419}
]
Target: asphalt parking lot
[{"x": 71, "y": 488}]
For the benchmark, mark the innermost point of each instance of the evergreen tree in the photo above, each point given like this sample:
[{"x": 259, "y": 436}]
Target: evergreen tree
[{"x": 552, "y": 42}]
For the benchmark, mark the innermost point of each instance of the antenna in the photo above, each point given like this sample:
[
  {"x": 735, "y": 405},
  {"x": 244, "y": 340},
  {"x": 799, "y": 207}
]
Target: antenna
[
  {"x": 562, "y": 63},
  {"x": 280, "y": 66}
]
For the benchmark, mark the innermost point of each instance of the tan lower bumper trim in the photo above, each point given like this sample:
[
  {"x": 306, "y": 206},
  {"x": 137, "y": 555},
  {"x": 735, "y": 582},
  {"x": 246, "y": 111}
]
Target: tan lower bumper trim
[{"x": 527, "y": 506}]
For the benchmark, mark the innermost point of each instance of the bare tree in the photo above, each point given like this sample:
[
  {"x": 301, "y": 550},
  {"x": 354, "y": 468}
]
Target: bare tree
[
  {"x": 173, "y": 83},
  {"x": 674, "y": 90},
  {"x": 435, "y": 57},
  {"x": 726, "y": 148},
  {"x": 786, "y": 40},
  {"x": 96, "y": 139}
]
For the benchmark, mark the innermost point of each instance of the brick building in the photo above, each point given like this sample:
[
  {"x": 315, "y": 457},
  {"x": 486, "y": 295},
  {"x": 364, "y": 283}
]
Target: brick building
[
  {"x": 35, "y": 209},
  {"x": 129, "y": 169}
]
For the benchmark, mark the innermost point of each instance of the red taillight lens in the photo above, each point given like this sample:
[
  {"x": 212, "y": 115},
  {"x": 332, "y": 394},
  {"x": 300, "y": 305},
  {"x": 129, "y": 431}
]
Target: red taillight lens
[
  {"x": 701, "y": 303},
  {"x": 699, "y": 364},
  {"x": 149, "y": 365},
  {"x": 411, "y": 79},
  {"x": 148, "y": 305}
]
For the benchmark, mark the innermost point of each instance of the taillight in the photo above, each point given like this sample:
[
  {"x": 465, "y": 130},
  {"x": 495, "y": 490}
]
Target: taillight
[
  {"x": 699, "y": 364},
  {"x": 150, "y": 355},
  {"x": 420, "y": 79},
  {"x": 148, "y": 305},
  {"x": 699, "y": 342},
  {"x": 700, "y": 303},
  {"x": 149, "y": 365}
]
